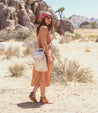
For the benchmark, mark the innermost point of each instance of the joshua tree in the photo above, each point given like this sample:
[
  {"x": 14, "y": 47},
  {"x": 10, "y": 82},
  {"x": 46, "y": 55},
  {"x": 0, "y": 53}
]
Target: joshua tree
[{"x": 60, "y": 11}]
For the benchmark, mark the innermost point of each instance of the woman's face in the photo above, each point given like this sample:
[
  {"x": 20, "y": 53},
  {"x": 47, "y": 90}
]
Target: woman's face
[{"x": 48, "y": 20}]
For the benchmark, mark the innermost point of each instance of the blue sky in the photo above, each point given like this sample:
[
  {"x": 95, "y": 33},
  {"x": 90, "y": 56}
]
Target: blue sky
[{"x": 88, "y": 8}]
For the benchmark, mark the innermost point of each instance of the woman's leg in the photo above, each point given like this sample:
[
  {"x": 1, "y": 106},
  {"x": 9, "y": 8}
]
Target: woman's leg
[
  {"x": 35, "y": 88},
  {"x": 42, "y": 89}
]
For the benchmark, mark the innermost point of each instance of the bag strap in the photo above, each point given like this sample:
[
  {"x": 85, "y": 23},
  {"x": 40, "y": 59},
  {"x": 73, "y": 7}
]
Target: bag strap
[{"x": 41, "y": 49}]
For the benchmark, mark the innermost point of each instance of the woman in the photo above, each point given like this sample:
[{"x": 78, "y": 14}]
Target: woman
[{"x": 42, "y": 79}]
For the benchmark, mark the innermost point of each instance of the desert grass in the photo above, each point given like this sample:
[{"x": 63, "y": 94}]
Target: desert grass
[
  {"x": 12, "y": 51},
  {"x": 3, "y": 35},
  {"x": 28, "y": 51},
  {"x": 67, "y": 37},
  {"x": 71, "y": 71},
  {"x": 56, "y": 51},
  {"x": 30, "y": 45},
  {"x": 9, "y": 52},
  {"x": 2, "y": 52},
  {"x": 16, "y": 70},
  {"x": 92, "y": 34}
]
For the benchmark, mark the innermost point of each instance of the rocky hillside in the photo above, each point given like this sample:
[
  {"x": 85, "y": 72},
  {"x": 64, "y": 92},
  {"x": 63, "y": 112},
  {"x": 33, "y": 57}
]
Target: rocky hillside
[
  {"x": 79, "y": 20},
  {"x": 25, "y": 14}
]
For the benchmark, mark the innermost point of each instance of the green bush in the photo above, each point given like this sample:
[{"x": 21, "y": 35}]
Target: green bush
[
  {"x": 19, "y": 34},
  {"x": 77, "y": 36},
  {"x": 94, "y": 24}
]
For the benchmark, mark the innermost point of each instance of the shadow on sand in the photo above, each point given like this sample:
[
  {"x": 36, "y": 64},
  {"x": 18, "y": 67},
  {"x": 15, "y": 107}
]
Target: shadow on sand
[{"x": 27, "y": 105}]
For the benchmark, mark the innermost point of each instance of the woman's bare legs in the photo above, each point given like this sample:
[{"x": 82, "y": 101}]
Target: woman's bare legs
[
  {"x": 42, "y": 89},
  {"x": 35, "y": 88},
  {"x": 32, "y": 94}
]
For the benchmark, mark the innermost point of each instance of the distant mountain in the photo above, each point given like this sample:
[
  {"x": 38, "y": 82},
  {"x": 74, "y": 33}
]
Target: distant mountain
[
  {"x": 78, "y": 19},
  {"x": 94, "y": 20}
]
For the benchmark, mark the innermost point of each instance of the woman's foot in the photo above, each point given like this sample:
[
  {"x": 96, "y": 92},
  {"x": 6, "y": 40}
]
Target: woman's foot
[
  {"x": 32, "y": 96},
  {"x": 44, "y": 100}
]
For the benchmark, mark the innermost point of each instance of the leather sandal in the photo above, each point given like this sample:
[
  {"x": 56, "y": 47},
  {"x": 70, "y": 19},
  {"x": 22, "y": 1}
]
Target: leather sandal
[
  {"x": 44, "y": 100},
  {"x": 32, "y": 96}
]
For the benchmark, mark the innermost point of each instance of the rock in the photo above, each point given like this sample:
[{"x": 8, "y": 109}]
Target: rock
[
  {"x": 14, "y": 3},
  {"x": 4, "y": 14},
  {"x": 9, "y": 23},
  {"x": 32, "y": 1},
  {"x": 64, "y": 26},
  {"x": 31, "y": 15},
  {"x": 13, "y": 14},
  {"x": 21, "y": 4},
  {"x": 24, "y": 19},
  {"x": 40, "y": 7},
  {"x": 26, "y": 13},
  {"x": 34, "y": 7},
  {"x": 97, "y": 40},
  {"x": 28, "y": 6},
  {"x": 18, "y": 26},
  {"x": 33, "y": 26},
  {"x": 84, "y": 24}
]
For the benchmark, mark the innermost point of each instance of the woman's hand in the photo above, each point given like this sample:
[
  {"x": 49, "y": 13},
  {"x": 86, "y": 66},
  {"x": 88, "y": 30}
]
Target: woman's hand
[
  {"x": 50, "y": 46},
  {"x": 50, "y": 60}
]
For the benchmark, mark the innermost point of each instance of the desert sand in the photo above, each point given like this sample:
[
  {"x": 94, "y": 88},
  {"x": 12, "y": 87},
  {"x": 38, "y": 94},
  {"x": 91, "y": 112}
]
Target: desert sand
[{"x": 83, "y": 98}]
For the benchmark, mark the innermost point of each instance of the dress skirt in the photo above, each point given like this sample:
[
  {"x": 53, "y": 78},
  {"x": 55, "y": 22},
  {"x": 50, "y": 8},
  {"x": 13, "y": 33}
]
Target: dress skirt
[{"x": 43, "y": 78}]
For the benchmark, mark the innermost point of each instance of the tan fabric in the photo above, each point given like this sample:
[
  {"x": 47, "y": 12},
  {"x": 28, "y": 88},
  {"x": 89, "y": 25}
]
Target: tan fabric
[{"x": 44, "y": 78}]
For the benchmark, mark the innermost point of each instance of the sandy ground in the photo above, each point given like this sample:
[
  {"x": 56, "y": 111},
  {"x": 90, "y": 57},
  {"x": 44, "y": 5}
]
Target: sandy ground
[{"x": 66, "y": 98}]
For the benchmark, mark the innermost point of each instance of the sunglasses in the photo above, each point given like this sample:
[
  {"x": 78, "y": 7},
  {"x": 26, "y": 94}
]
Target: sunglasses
[{"x": 49, "y": 18}]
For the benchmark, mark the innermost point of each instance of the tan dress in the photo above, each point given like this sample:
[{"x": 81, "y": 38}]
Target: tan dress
[{"x": 44, "y": 78}]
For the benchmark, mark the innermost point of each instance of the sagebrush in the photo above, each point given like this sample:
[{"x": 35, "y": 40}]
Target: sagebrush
[{"x": 16, "y": 70}]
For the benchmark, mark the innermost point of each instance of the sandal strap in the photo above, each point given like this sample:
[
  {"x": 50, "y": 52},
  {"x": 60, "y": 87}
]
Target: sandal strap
[{"x": 44, "y": 99}]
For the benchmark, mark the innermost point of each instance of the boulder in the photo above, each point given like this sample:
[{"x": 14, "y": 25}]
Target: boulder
[
  {"x": 4, "y": 14},
  {"x": 31, "y": 1},
  {"x": 84, "y": 24},
  {"x": 97, "y": 40},
  {"x": 34, "y": 7},
  {"x": 40, "y": 7},
  {"x": 24, "y": 19},
  {"x": 31, "y": 15},
  {"x": 9, "y": 25},
  {"x": 64, "y": 26},
  {"x": 18, "y": 26}
]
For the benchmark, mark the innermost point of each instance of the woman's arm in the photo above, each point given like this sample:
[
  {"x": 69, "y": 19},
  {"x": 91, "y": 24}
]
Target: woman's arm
[{"x": 44, "y": 31}]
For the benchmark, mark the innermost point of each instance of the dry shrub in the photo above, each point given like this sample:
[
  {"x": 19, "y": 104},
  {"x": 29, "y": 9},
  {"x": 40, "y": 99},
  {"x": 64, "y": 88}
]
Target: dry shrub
[
  {"x": 59, "y": 72},
  {"x": 55, "y": 51},
  {"x": 3, "y": 35},
  {"x": 30, "y": 44},
  {"x": 28, "y": 51},
  {"x": 19, "y": 35},
  {"x": 12, "y": 51},
  {"x": 84, "y": 75},
  {"x": 2, "y": 52},
  {"x": 67, "y": 37},
  {"x": 16, "y": 70},
  {"x": 71, "y": 71},
  {"x": 87, "y": 49}
]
